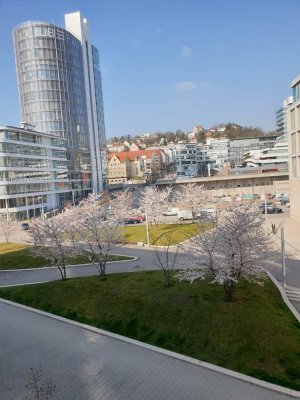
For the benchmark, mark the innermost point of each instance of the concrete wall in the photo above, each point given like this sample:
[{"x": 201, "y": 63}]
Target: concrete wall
[
  {"x": 249, "y": 186},
  {"x": 275, "y": 183},
  {"x": 295, "y": 199}
]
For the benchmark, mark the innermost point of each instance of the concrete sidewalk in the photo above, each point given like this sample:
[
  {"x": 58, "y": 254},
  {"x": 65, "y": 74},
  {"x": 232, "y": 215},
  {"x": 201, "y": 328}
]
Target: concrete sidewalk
[
  {"x": 91, "y": 364},
  {"x": 291, "y": 235}
]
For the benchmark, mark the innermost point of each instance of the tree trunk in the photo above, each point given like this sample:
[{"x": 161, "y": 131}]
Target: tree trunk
[
  {"x": 229, "y": 290},
  {"x": 63, "y": 272},
  {"x": 101, "y": 269}
]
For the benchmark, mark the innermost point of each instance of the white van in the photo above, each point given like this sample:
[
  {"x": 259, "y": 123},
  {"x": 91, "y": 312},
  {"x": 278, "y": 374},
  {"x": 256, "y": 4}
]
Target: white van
[
  {"x": 184, "y": 215},
  {"x": 171, "y": 211}
]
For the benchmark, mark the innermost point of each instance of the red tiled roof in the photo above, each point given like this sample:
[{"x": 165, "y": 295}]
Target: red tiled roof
[{"x": 132, "y": 155}]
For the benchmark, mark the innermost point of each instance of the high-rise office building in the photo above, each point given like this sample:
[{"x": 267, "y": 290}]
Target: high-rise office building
[
  {"x": 281, "y": 116},
  {"x": 60, "y": 93},
  {"x": 33, "y": 172},
  {"x": 293, "y": 125}
]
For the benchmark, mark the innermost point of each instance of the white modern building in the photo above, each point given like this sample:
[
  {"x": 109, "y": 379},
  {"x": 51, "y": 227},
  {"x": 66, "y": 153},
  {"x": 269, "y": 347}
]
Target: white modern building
[
  {"x": 218, "y": 152},
  {"x": 60, "y": 92},
  {"x": 281, "y": 116},
  {"x": 33, "y": 172},
  {"x": 238, "y": 147},
  {"x": 293, "y": 125},
  {"x": 270, "y": 158},
  {"x": 191, "y": 160}
]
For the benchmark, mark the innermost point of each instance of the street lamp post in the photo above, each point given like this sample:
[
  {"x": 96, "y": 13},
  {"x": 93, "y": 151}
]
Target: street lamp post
[
  {"x": 27, "y": 210},
  {"x": 147, "y": 228},
  {"x": 266, "y": 214},
  {"x": 283, "y": 255}
]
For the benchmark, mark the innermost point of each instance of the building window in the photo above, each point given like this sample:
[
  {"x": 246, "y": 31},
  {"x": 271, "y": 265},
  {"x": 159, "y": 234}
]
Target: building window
[
  {"x": 294, "y": 166},
  {"x": 292, "y": 115},
  {"x": 293, "y": 142}
]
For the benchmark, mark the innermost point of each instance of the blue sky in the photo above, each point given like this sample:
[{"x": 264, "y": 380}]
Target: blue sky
[{"x": 171, "y": 64}]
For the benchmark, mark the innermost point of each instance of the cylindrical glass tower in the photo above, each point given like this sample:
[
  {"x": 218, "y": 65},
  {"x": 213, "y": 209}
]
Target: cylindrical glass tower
[{"x": 58, "y": 93}]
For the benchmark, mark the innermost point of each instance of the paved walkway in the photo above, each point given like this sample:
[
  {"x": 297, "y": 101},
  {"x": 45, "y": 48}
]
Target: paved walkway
[
  {"x": 87, "y": 365},
  {"x": 292, "y": 251}
]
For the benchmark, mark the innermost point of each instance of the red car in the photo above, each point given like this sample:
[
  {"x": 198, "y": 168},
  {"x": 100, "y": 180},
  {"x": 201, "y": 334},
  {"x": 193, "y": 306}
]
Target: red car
[{"x": 140, "y": 218}]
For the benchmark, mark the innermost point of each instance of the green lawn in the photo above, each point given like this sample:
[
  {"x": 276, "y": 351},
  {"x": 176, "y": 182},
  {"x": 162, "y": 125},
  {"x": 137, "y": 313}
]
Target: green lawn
[
  {"x": 19, "y": 255},
  {"x": 256, "y": 335},
  {"x": 181, "y": 232}
]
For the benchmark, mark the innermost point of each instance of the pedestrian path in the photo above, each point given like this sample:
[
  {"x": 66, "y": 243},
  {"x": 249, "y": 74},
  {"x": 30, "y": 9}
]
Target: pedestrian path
[
  {"x": 291, "y": 235},
  {"x": 86, "y": 363},
  {"x": 293, "y": 294}
]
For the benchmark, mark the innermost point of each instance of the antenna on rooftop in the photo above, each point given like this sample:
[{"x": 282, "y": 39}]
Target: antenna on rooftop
[{"x": 27, "y": 125}]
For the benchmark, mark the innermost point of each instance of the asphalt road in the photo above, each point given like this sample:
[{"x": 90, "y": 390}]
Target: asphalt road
[{"x": 146, "y": 261}]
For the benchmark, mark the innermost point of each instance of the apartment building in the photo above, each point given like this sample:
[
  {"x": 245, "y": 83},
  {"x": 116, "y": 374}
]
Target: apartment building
[
  {"x": 191, "y": 160},
  {"x": 281, "y": 116},
  {"x": 124, "y": 167},
  {"x": 238, "y": 147},
  {"x": 218, "y": 152},
  {"x": 141, "y": 164},
  {"x": 275, "y": 158}
]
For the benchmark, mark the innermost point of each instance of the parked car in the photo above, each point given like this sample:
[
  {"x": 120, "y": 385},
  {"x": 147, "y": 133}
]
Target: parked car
[
  {"x": 140, "y": 218},
  {"x": 128, "y": 221},
  {"x": 272, "y": 210},
  {"x": 25, "y": 226},
  {"x": 171, "y": 211},
  {"x": 186, "y": 214},
  {"x": 226, "y": 198},
  {"x": 209, "y": 210},
  {"x": 284, "y": 202},
  {"x": 262, "y": 206}
]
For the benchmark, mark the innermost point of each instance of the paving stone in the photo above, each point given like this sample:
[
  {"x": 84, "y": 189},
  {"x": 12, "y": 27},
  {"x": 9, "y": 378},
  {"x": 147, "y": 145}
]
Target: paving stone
[{"x": 90, "y": 366}]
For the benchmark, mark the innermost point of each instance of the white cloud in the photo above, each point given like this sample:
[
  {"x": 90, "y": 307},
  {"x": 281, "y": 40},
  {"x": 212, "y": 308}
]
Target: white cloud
[
  {"x": 186, "y": 51},
  {"x": 186, "y": 86}
]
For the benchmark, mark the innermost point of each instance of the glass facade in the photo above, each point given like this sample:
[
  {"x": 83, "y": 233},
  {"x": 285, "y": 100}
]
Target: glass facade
[
  {"x": 52, "y": 90},
  {"x": 60, "y": 92},
  {"x": 33, "y": 172},
  {"x": 100, "y": 111},
  {"x": 296, "y": 92}
]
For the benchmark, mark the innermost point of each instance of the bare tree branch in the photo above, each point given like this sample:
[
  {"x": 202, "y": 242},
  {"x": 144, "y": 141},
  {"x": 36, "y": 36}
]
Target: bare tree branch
[
  {"x": 166, "y": 256},
  {"x": 153, "y": 200},
  {"x": 50, "y": 240},
  {"x": 191, "y": 197},
  {"x": 98, "y": 230},
  {"x": 7, "y": 224}
]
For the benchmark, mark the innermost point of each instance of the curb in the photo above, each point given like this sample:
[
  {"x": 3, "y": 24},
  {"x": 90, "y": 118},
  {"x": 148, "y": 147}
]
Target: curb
[
  {"x": 284, "y": 296},
  {"x": 70, "y": 266},
  {"x": 186, "y": 359}
]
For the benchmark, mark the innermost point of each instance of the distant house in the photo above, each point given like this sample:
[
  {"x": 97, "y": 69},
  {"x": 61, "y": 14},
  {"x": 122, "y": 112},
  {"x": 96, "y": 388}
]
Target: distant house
[
  {"x": 124, "y": 166},
  {"x": 133, "y": 147},
  {"x": 141, "y": 164},
  {"x": 198, "y": 129}
]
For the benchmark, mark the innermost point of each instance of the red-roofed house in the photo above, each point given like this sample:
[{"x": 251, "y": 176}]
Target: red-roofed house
[{"x": 128, "y": 165}]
